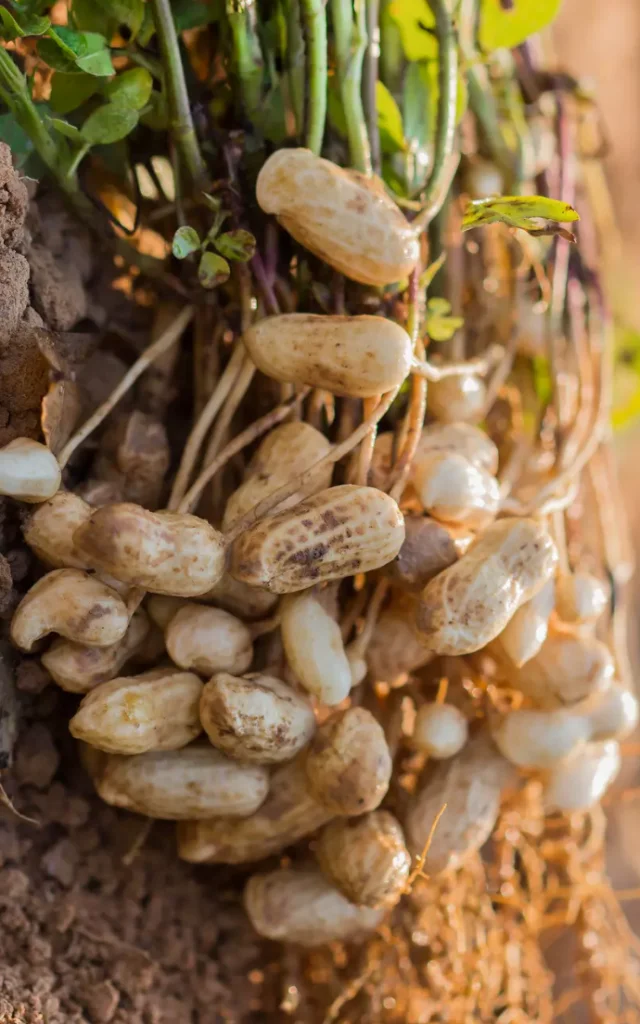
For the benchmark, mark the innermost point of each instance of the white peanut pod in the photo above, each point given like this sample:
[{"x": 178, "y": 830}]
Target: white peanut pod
[
  {"x": 471, "y": 786},
  {"x": 460, "y": 398},
  {"x": 613, "y": 713},
  {"x": 164, "y": 552},
  {"x": 581, "y": 597},
  {"x": 258, "y": 718},
  {"x": 75, "y": 605},
  {"x": 196, "y": 782},
  {"x": 289, "y": 449},
  {"x": 395, "y": 648},
  {"x": 313, "y": 645},
  {"x": 568, "y": 667},
  {"x": 463, "y": 438},
  {"x": 240, "y": 598},
  {"x": 157, "y": 710},
  {"x": 427, "y": 549},
  {"x": 468, "y": 604},
  {"x": 29, "y": 471},
  {"x": 366, "y": 858},
  {"x": 208, "y": 640},
  {"x": 440, "y": 730},
  {"x": 531, "y": 738},
  {"x": 49, "y": 532},
  {"x": 79, "y": 668},
  {"x": 343, "y": 217},
  {"x": 582, "y": 781},
  {"x": 348, "y": 764},
  {"x": 351, "y": 356},
  {"x": 288, "y": 814},
  {"x": 336, "y": 533},
  {"x": 453, "y": 490},
  {"x": 525, "y": 633},
  {"x": 303, "y": 908}
]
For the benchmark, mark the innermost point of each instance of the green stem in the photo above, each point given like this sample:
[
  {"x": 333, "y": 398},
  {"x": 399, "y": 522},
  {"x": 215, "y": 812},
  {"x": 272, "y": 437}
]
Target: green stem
[
  {"x": 295, "y": 62},
  {"x": 77, "y": 159},
  {"x": 371, "y": 60},
  {"x": 315, "y": 25},
  {"x": 248, "y": 62},
  {"x": 350, "y": 43},
  {"x": 181, "y": 123},
  {"x": 391, "y": 53},
  {"x": 440, "y": 179},
  {"x": 483, "y": 105}
]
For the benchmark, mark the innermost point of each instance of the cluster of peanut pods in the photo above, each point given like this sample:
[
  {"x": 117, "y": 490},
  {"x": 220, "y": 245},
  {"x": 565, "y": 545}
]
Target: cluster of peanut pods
[{"x": 240, "y": 711}]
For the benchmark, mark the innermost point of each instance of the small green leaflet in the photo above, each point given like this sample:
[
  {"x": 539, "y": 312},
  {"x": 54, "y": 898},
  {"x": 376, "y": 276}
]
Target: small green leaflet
[
  {"x": 427, "y": 276},
  {"x": 508, "y": 26},
  {"x": 441, "y": 326},
  {"x": 68, "y": 92},
  {"x": 535, "y": 214},
  {"x": 106, "y": 16},
  {"x": 389, "y": 121},
  {"x": 66, "y": 129},
  {"x": 66, "y": 50},
  {"x": 130, "y": 89},
  {"x": 416, "y": 23},
  {"x": 213, "y": 270},
  {"x": 109, "y": 123},
  {"x": 14, "y": 26},
  {"x": 194, "y": 13},
  {"x": 185, "y": 241},
  {"x": 236, "y": 245}
]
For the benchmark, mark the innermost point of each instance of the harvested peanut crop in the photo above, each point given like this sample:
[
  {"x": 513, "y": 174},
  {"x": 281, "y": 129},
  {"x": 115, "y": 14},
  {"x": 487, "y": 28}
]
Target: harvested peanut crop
[{"x": 315, "y": 579}]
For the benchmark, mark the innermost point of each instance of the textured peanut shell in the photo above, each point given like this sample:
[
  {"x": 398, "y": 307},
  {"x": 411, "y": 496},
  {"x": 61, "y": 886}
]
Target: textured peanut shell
[
  {"x": 163, "y": 552},
  {"x": 303, "y": 908},
  {"x": 352, "y": 356},
  {"x": 258, "y": 718},
  {"x": 343, "y": 217},
  {"x": 289, "y": 449},
  {"x": 288, "y": 814},
  {"x": 239, "y": 598},
  {"x": 471, "y": 786},
  {"x": 313, "y": 645},
  {"x": 196, "y": 782},
  {"x": 463, "y": 438},
  {"x": 468, "y": 604},
  {"x": 49, "y": 531},
  {"x": 395, "y": 647},
  {"x": 208, "y": 640},
  {"x": 79, "y": 668},
  {"x": 348, "y": 764},
  {"x": 427, "y": 549},
  {"x": 336, "y": 533},
  {"x": 157, "y": 710},
  {"x": 365, "y": 858},
  {"x": 75, "y": 605}
]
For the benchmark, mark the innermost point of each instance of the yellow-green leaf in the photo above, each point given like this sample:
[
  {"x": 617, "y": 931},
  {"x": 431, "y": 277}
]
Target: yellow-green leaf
[
  {"x": 213, "y": 270},
  {"x": 536, "y": 214},
  {"x": 130, "y": 88},
  {"x": 389, "y": 121},
  {"x": 416, "y": 23},
  {"x": 508, "y": 25}
]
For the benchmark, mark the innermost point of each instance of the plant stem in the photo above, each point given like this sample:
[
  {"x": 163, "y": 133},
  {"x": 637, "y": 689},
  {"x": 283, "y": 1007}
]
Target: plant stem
[
  {"x": 447, "y": 101},
  {"x": 248, "y": 62},
  {"x": 482, "y": 103},
  {"x": 182, "y": 128},
  {"x": 295, "y": 60},
  {"x": 350, "y": 44},
  {"x": 391, "y": 52},
  {"x": 315, "y": 25},
  {"x": 371, "y": 60}
]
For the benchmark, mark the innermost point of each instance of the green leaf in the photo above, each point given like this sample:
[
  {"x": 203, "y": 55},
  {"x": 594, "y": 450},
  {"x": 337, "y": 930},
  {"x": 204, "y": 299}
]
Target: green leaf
[
  {"x": 535, "y": 214},
  {"x": 236, "y": 245},
  {"x": 131, "y": 88},
  {"x": 441, "y": 326},
  {"x": 508, "y": 26},
  {"x": 25, "y": 24},
  {"x": 427, "y": 276},
  {"x": 185, "y": 241},
  {"x": 64, "y": 128},
  {"x": 68, "y": 92},
  {"x": 98, "y": 63},
  {"x": 106, "y": 16},
  {"x": 195, "y": 13},
  {"x": 109, "y": 123},
  {"x": 389, "y": 121},
  {"x": 626, "y": 377},
  {"x": 416, "y": 23},
  {"x": 16, "y": 139},
  {"x": 156, "y": 115},
  {"x": 212, "y": 270},
  {"x": 73, "y": 52}
]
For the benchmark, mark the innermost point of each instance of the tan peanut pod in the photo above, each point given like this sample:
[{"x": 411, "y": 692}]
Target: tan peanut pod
[
  {"x": 454, "y": 399},
  {"x": 303, "y": 908},
  {"x": 526, "y": 631},
  {"x": 531, "y": 738},
  {"x": 468, "y": 604},
  {"x": 366, "y": 858},
  {"x": 462, "y": 438},
  {"x": 289, "y": 449},
  {"x": 427, "y": 549},
  {"x": 240, "y": 599},
  {"x": 453, "y": 490},
  {"x": 568, "y": 667},
  {"x": 345, "y": 218},
  {"x": 196, "y": 782},
  {"x": 582, "y": 781},
  {"x": 208, "y": 640},
  {"x": 313, "y": 645},
  {"x": 164, "y": 552},
  {"x": 49, "y": 531},
  {"x": 157, "y": 710},
  {"x": 288, "y": 814},
  {"x": 351, "y": 356},
  {"x": 580, "y": 597},
  {"x": 395, "y": 649},
  {"x": 78, "y": 668},
  {"x": 75, "y": 605},
  {"x": 336, "y": 533},
  {"x": 471, "y": 786},
  {"x": 258, "y": 718},
  {"x": 29, "y": 471},
  {"x": 348, "y": 764},
  {"x": 440, "y": 730},
  {"x": 162, "y": 609}
]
